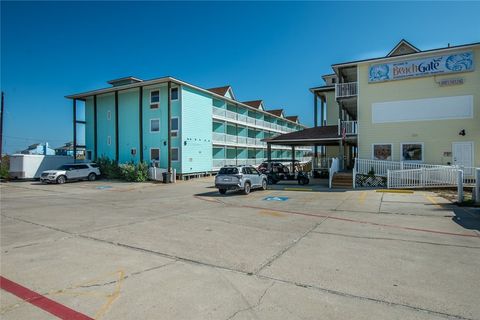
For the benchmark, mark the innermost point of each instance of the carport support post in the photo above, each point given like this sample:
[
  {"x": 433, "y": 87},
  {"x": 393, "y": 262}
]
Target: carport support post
[
  {"x": 293, "y": 159},
  {"x": 460, "y": 186},
  {"x": 269, "y": 152},
  {"x": 74, "y": 130}
]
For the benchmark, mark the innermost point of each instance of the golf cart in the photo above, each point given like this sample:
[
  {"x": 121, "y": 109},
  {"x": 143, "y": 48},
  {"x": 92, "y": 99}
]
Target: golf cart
[{"x": 277, "y": 171}]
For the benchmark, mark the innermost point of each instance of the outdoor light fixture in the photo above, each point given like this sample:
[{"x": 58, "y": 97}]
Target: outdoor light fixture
[
  {"x": 164, "y": 143},
  {"x": 462, "y": 132}
]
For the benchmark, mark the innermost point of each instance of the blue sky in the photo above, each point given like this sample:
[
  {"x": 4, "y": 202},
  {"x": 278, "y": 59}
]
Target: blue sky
[{"x": 273, "y": 51}]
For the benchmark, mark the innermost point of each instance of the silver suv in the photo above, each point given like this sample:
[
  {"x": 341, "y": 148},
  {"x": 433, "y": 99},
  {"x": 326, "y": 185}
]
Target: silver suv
[
  {"x": 67, "y": 172},
  {"x": 243, "y": 178}
]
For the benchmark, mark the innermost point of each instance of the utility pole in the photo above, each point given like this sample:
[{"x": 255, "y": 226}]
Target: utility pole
[{"x": 1, "y": 127}]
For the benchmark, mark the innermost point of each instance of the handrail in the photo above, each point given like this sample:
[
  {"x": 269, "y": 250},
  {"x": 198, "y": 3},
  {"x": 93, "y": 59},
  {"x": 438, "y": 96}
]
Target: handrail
[{"x": 334, "y": 168}]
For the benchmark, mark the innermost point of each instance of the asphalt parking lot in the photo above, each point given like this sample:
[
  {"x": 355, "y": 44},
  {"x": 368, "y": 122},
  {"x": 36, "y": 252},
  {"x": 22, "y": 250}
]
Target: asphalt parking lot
[{"x": 111, "y": 250}]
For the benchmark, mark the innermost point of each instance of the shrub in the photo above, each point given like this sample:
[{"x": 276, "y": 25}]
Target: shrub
[
  {"x": 109, "y": 168},
  {"x": 4, "y": 167},
  {"x": 371, "y": 173},
  {"x": 134, "y": 172}
]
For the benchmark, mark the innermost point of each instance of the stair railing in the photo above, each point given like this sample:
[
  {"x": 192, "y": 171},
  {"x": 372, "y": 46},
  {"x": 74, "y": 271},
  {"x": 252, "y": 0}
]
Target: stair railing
[{"x": 334, "y": 168}]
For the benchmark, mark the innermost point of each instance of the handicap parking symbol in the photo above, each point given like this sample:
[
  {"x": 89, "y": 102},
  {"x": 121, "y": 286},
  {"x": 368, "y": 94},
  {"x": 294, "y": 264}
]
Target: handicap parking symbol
[{"x": 276, "y": 199}]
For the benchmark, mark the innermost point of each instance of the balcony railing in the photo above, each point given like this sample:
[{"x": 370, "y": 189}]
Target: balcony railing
[
  {"x": 344, "y": 90},
  {"x": 247, "y": 120},
  {"x": 350, "y": 127},
  {"x": 222, "y": 138}
]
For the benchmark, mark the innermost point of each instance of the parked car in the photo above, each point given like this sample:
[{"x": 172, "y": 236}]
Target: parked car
[
  {"x": 244, "y": 178},
  {"x": 69, "y": 172}
]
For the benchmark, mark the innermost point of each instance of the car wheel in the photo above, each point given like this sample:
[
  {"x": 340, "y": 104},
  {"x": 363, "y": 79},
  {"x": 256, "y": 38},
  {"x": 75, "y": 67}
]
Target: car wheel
[
  {"x": 264, "y": 184},
  {"x": 92, "y": 177},
  {"x": 246, "y": 188},
  {"x": 61, "y": 180},
  {"x": 222, "y": 191}
]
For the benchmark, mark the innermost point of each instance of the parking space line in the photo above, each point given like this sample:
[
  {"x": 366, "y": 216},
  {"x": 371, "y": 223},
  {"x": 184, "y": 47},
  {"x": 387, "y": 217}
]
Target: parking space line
[
  {"x": 40, "y": 301},
  {"x": 355, "y": 221},
  {"x": 362, "y": 197}
]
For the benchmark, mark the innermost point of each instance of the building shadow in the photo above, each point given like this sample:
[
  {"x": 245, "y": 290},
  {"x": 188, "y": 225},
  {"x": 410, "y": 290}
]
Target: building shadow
[{"x": 467, "y": 217}]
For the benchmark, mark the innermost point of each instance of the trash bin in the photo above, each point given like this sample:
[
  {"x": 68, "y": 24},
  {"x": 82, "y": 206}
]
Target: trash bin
[{"x": 164, "y": 176}]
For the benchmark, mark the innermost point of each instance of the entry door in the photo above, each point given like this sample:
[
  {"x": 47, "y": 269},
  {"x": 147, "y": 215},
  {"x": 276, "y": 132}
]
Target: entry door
[{"x": 462, "y": 154}]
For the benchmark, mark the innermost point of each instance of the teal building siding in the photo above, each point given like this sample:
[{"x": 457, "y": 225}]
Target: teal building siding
[
  {"x": 128, "y": 126},
  {"x": 106, "y": 125},
  {"x": 196, "y": 130},
  {"x": 197, "y": 126}
]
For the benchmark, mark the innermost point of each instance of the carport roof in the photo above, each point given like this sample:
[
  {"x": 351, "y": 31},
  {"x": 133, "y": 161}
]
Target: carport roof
[{"x": 323, "y": 135}]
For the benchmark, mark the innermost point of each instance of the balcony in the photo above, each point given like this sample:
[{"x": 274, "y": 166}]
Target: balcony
[
  {"x": 346, "y": 90},
  {"x": 242, "y": 119},
  {"x": 349, "y": 127}
]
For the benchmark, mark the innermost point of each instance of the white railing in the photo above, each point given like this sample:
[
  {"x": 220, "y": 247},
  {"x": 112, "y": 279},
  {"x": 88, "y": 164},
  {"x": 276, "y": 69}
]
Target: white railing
[
  {"x": 231, "y": 138},
  {"x": 241, "y": 118},
  {"x": 334, "y": 168},
  {"x": 242, "y": 140},
  {"x": 412, "y": 172},
  {"x": 218, "y": 137},
  {"x": 251, "y": 141},
  {"x": 351, "y": 127},
  {"x": 218, "y": 163},
  {"x": 218, "y": 111},
  {"x": 380, "y": 167},
  {"x": 247, "y": 120},
  {"x": 322, "y": 162},
  {"x": 230, "y": 115},
  {"x": 423, "y": 178},
  {"x": 343, "y": 90}
]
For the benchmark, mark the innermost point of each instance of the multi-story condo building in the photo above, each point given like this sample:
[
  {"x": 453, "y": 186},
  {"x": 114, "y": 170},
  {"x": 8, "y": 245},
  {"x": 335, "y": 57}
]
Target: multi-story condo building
[
  {"x": 410, "y": 106},
  {"x": 175, "y": 124}
]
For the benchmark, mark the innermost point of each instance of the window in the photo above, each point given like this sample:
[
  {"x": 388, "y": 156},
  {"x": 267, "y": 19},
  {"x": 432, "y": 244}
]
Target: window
[
  {"x": 247, "y": 170},
  {"x": 334, "y": 80},
  {"x": 174, "y": 94},
  {"x": 154, "y": 154},
  {"x": 228, "y": 170},
  {"x": 174, "y": 154},
  {"x": 109, "y": 140},
  {"x": 79, "y": 166},
  {"x": 154, "y": 125},
  {"x": 89, "y": 155},
  {"x": 254, "y": 171},
  {"x": 174, "y": 127},
  {"x": 109, "y": 115},
  {"x": 382, "y": 151},
  {"x": 154, "y": 99},
  {"x": 412, "y": 151}
]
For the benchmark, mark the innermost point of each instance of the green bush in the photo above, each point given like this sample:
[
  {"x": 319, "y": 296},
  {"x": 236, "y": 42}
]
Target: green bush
[
  {"x": 134, "y": 172},
  {"x": 109, "y": 168},
  {"x": 4, "y": 167}
]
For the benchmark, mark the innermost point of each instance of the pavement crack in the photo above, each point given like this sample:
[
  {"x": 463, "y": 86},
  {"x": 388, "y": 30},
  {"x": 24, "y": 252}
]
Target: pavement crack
[
  {"x": 288, "y": 247},
  {"x": 251, "y": 307},
  {"x": 364, "y": 298},
  {"x": 396, "y": 239}
]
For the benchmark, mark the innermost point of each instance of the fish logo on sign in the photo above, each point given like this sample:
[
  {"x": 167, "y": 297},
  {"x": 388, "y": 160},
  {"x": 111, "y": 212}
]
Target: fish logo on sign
[{"x": 276, "y": 199}]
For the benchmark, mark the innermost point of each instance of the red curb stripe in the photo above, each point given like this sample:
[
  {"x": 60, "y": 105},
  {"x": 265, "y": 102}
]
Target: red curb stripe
[{"x": 42, "y": 302}]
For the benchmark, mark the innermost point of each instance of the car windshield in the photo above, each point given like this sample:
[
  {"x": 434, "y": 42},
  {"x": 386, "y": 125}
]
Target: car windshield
[
  {"x": 64, "y": 167},
  {"x": 228, "y": 171}
]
